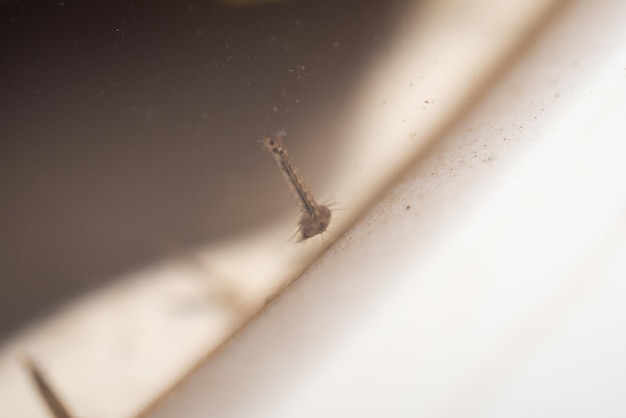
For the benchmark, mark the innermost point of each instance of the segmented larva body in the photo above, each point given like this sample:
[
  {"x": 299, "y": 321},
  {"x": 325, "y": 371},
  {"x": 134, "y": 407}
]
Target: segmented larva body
[{"x": 315, "y": 218}]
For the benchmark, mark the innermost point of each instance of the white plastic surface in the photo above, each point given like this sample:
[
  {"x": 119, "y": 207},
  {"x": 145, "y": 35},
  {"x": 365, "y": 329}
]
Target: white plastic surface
[{"x": 491, "y": 282}]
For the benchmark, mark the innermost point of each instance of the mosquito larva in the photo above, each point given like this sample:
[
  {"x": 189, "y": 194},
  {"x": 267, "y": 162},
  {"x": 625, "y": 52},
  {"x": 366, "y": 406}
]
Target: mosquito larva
[{"x": 315, "y": 217}]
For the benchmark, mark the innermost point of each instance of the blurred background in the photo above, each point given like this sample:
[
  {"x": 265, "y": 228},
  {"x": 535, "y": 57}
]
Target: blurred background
[
  {"x": 128, "y": 130},
  {"x": 474, "y": 152}
]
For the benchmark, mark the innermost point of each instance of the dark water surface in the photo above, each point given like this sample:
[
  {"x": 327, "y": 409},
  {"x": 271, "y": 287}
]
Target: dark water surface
[{"x": 128, "y": 129}]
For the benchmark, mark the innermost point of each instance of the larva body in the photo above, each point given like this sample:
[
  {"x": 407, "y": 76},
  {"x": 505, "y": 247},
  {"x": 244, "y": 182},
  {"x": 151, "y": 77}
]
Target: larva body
[{"x": 315, "y": 218}]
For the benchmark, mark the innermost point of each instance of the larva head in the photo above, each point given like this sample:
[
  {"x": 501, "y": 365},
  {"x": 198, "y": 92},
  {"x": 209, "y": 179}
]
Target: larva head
[
  {"x": 273, "y": 144},
  {"x": 310, "y": 226}
]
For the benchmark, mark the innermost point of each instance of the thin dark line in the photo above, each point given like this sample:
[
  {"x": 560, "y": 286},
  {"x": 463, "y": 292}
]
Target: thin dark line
[{"x": 45, "y": 390}]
